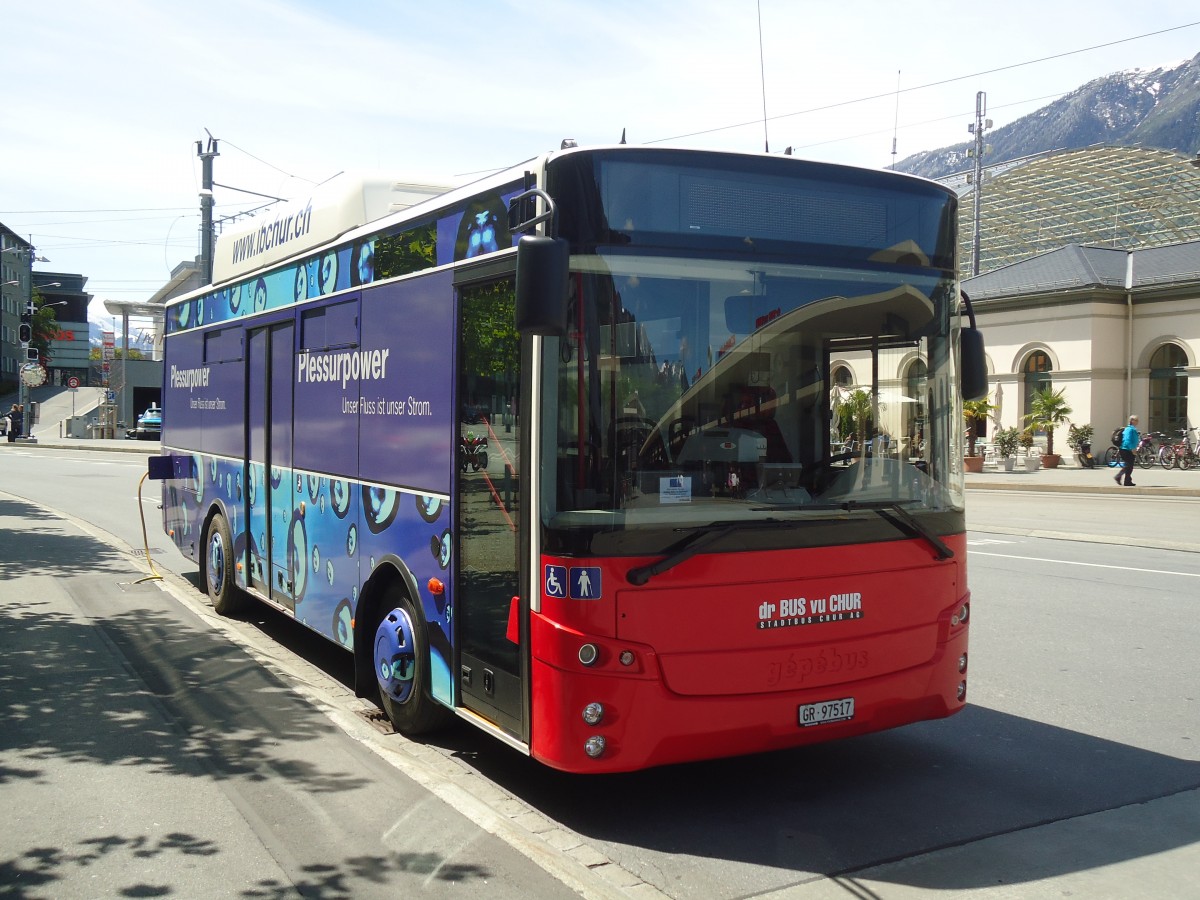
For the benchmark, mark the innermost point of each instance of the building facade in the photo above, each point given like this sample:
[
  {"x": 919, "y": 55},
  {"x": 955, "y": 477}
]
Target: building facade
[
  {"x": 1119, "y": 330},
  {"x": 16, "y": 267},
  {"x": 69, "y": 347}
]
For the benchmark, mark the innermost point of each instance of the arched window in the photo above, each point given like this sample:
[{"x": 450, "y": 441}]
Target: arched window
[
  {"x": 1037, "y": 376},
  {"x": 1168, "y": 390},
  {"x": 843, "y": 380}
]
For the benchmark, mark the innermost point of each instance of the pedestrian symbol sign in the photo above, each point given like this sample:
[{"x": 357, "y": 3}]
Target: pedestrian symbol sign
[{"x": 585, "y": 583}]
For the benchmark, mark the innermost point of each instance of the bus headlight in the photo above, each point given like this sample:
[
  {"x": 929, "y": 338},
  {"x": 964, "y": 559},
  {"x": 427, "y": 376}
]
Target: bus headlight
[
  {"x": 593, "y": 713},
  {"x": 594, "y": 746},
  {"x": 588, "y": 654}
]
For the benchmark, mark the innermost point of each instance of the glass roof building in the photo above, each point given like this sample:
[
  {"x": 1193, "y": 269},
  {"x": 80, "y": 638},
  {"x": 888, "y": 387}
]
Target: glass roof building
[{"x": 1124, "y": 198}]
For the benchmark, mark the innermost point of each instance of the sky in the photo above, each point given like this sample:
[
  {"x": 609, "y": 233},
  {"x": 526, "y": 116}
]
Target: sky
[{"x": 102, "y": 103}]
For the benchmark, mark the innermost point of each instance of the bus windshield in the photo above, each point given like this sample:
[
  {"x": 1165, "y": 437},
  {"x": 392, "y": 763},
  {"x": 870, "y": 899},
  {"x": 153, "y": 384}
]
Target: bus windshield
[{"x": 696, "y": 390}]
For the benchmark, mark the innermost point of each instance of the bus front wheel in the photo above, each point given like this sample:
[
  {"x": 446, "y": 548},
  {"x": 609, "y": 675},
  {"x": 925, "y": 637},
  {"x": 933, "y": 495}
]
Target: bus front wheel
[
  {"x": 402, "y": 668},
  {"x": 227, "y": 598}
]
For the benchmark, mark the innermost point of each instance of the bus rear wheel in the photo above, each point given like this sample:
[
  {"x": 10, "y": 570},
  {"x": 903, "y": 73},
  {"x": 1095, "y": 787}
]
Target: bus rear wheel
[
  {"x": 402, "y": 669},
  {"x": 227, "y": 598}
]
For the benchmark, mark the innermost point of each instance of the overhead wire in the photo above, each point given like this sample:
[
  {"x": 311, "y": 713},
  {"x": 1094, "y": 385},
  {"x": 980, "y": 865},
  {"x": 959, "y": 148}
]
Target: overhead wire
[{"x": 921, "y": 87}]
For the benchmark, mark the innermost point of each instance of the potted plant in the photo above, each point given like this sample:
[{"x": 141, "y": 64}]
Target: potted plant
[
  {"x": 1033, "y": 462},
  {"x": 974, "y": 412},
  {"x": 1079, "y": 439},
  {"x": 1007, "y": 440},
  {"x": 1048, "y": 410}
]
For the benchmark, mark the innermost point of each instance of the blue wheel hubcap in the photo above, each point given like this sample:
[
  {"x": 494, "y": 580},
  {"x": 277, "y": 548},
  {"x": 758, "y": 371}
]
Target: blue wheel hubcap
[
  {"x": 216, "y": 561},
  {"x": 395, "y": 655}
]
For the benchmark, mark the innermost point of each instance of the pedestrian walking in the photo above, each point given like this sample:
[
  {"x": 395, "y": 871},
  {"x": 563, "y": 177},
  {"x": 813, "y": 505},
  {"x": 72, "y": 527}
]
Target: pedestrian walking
[
  {"x": 1130, "y": 438},
  {"x": 14, "y": 417}
]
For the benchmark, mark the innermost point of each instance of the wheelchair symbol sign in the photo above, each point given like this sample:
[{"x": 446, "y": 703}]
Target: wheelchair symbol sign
[{"x": 556, "y": 581}]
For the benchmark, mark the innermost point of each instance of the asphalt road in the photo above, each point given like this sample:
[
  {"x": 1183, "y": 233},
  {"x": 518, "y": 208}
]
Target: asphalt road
[{"x": 1075, "y": 768}]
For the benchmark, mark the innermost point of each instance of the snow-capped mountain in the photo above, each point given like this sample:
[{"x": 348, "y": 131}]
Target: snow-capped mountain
[{"x": 1151, "y": 107}]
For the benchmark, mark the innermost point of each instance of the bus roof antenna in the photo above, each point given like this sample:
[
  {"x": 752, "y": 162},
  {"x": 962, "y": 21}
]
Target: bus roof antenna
[{"x": 623, "y": 140}]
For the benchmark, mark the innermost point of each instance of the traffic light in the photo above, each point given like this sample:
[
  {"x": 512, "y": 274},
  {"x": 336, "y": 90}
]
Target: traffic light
[
  {"x": 25, "y": 332},
  {"x": 31, "y": 354}
]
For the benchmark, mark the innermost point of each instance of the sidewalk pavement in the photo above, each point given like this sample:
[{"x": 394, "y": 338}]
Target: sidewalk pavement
[
  {"x": 143, "y": 753},
  {"x": 150, "y": 448},
  {"x": 1072, "y": 478}
]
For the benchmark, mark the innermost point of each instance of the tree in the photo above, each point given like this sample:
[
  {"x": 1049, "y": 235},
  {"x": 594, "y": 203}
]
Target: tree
[
  {"x": 857, "y": 409},
  {"x": 491, "y": 345},
  {"x": 1048, "y": 410},
  {"x": 44, "y": 326},
  {"x": 974, "y": 412},
  {"x": 119, "y": 353}
]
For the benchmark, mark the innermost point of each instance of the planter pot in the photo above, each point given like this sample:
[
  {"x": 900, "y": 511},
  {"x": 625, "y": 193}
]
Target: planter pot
[
  {"x": 973, "y": 463},
  {"x": 1009, "y": 463},
  {"x": 1032, "y": 463},
  {"x": 1051, "y": 460}
]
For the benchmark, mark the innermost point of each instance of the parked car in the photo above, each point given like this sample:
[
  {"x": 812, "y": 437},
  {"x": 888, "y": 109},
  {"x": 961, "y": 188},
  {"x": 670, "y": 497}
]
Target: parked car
[{"x": 149, "y": 426}]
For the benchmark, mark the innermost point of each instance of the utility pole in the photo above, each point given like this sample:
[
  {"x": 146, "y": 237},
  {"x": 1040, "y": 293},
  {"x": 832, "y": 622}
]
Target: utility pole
[
  {"x": 977, "y": 128},
  {"x": 206, "y": 153}
]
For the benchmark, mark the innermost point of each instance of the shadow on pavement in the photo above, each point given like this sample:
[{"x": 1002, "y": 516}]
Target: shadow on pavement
[
  {"x": 103, "y": 680},
  {"x": 839, "y": 808}
]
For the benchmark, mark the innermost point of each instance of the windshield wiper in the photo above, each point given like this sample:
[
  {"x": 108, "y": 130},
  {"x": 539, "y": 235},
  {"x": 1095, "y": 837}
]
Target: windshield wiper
[
  {"x": 914, "y": 525},
  {"x": 695, "y": 543},
  {"x": 883, "y": 507},
  {"x": 714, "y": 532}
]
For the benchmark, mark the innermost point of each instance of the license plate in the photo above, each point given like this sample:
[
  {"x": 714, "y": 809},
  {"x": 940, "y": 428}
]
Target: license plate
[{"x": 826, "y": 711}]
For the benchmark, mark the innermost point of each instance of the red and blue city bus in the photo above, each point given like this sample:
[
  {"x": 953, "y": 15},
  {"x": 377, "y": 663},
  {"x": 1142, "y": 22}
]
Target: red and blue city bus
[{"x": 627, "y": 456}]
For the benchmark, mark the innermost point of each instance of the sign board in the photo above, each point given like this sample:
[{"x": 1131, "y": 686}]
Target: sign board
[{"x": 73, "y": 383}]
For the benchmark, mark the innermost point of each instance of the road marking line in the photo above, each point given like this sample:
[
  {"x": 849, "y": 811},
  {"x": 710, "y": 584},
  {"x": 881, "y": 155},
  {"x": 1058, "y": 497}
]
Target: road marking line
[{"x": 1068, "y": 562}]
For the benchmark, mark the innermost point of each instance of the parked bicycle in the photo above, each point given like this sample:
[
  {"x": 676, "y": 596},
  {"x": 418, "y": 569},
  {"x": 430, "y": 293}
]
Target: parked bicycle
[
  {"x": 1181, "y": 453},
  {"x": 1145, "y": 455}
]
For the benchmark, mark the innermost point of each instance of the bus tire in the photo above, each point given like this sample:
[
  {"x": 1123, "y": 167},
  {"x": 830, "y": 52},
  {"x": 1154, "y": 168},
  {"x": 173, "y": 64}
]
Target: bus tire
[
  {"x": 401, "y": 663},
  {"x": 227, "y": 598}
]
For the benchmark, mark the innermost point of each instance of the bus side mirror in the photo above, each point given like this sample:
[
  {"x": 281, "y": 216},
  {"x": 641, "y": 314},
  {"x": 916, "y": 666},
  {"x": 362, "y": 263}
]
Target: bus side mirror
[
  {"x": 542, "y": 264},
  {"x": 972, "y": 378}
]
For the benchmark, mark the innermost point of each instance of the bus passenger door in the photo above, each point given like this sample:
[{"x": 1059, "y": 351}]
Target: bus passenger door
[
  {"x": 489, "y": 510},
  {"x": 269, "y": 452}
]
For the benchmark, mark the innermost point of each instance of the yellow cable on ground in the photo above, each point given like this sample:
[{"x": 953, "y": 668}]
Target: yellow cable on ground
[{"x": 153, "y": 576}]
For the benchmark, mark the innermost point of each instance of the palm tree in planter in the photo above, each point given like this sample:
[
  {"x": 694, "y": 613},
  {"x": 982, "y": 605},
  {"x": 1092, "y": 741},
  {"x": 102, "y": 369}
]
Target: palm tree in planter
[
  {"x": 857, "y": 409},
  {"x": 1048, "y": 410},
  {"x": 974, "y": 412}
]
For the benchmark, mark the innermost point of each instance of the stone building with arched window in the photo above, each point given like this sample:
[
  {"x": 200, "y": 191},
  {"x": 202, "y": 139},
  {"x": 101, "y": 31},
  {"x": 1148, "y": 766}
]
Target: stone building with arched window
[{"x": 1118, "y": 329}]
